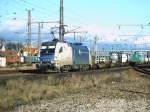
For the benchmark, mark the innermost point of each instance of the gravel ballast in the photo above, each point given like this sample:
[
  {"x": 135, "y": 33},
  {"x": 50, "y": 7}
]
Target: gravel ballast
[
  {"x": 119, "y": 92},
  {"x": 87, "y": 103}
]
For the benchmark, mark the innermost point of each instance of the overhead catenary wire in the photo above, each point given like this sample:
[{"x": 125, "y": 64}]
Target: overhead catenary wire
[
  {"x": 17, "y": 3},
  {"x": 68, "y": 16},
  {"x": 16, "y": 17},
  {"x": 71, "y": 15},
  {"x": 39, "y": 8},
  {"x": 11, "y": 14},
  {"x": 44, "y": 10}
]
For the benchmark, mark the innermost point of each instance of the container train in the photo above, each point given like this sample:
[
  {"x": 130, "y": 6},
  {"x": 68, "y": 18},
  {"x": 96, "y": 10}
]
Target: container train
[{"x": 64, "y": 57}]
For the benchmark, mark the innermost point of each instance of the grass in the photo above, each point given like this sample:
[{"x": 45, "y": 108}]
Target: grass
[{"x": 21, "y": 91}]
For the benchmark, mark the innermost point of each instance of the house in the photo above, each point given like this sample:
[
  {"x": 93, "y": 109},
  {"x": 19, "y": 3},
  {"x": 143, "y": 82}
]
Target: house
[
  {"x": 2, "y": 61},
  {"x": 11, "y": 56},
  {"x": 2, "y": 56},
  {"x": 26, "y": 51},
  {"x": 2, "y": 47}
]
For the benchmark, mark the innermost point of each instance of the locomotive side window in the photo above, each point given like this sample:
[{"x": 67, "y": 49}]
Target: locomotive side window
[{"x": 61, "y": 50}]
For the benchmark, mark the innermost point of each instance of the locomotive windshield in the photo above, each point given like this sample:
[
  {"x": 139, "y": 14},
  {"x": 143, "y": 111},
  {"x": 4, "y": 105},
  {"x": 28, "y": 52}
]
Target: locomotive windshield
[
  {"x": 47, "y": 51},
  {"x": 48, "y": 48}
]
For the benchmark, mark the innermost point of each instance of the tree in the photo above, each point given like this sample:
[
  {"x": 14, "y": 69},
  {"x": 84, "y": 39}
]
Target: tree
[
  {"x": 2, "y": 40},
  {"x": 14, "y": 46}
]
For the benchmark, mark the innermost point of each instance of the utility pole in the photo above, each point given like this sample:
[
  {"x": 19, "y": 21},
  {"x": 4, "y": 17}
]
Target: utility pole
[
  {"x": 29, "y": 36},
  {"x": 40, "y": 25},
  {"x": 61, "y": 22},
  {"x": 95, "y": 47},
  {"x": 136, "y": 25},
  {"x": 76, "y": 32},
  {"x": 39, "y": 36}
]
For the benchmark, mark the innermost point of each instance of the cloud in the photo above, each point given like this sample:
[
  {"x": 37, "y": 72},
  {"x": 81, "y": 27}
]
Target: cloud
[
  {"x": 143, "y": 40},
  {"x": 106, "y": 34},
  {"x": 16, "y": 25}
]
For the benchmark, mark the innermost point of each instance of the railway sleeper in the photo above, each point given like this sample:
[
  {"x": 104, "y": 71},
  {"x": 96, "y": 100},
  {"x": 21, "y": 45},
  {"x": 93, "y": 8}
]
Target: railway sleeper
[{"x": 84, "y": 67}]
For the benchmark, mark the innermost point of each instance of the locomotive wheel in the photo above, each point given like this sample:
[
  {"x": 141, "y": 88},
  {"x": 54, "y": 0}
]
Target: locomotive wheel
[{"x": 65, "y": 69}]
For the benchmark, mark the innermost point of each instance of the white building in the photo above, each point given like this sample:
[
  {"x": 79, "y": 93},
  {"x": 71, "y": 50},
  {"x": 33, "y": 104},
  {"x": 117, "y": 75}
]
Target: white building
[{"x": 2, "y": 48}]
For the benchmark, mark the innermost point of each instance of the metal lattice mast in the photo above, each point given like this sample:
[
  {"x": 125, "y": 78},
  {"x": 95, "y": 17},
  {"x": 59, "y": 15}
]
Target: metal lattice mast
[
  {"x": 61, "y": 21},
  {"x": 39, "y": 36},
  {"x": 29, "y": 35}
]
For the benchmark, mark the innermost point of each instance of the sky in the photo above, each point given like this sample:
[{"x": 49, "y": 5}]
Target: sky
[{"x": 98, "y": 17}]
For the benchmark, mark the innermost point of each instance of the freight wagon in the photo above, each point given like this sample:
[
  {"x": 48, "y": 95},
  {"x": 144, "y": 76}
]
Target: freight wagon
[{"x": 63, "y": 56}]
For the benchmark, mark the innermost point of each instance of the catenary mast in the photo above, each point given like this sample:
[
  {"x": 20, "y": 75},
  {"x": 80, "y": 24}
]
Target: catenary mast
[{"x": 61, "y": 22}]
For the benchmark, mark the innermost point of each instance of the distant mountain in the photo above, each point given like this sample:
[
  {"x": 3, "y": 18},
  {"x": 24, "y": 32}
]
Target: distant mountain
[{"x": 12, "y": 36}]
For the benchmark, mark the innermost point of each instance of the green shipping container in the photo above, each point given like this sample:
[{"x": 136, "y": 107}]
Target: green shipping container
[
  {"x": 34, "y": 59},
  {"x": 136, "y": 58}
]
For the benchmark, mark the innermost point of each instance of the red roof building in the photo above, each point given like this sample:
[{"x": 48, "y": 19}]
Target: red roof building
[
  {"x": 26, "y": 51},
  {"x": 11, "y": 56}
]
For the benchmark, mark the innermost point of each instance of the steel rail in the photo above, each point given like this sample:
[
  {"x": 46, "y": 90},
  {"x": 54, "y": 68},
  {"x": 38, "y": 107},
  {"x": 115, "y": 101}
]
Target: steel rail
[{"x": 35, "y": 75}]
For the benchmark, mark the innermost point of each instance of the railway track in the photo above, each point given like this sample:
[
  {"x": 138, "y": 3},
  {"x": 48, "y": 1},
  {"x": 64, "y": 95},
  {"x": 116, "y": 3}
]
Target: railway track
[
  {"x": 145, "y": 69},
  {"x": 33, "y": 74}
]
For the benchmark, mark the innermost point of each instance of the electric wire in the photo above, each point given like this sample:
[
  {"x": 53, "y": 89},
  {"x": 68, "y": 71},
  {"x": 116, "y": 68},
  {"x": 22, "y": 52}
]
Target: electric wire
[{"x": 39, "y": 8}]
